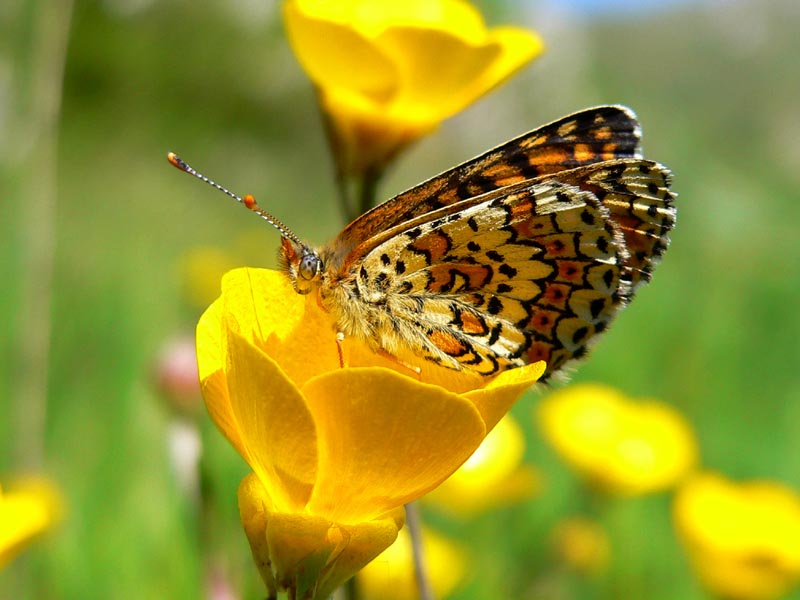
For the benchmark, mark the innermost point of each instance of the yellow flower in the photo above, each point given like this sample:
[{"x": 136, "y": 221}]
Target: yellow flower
[
  {"x": 32, "y": 507},
  {"x": 582, "y": 544},
  {"x": 743, "y": 539},
  {"x": 336, "y": 451},
  {"x": 493, "y": 476},
  {"x": 389, "y": 72},
  {"x": 621, "y": 445},
  {"x": 391, "y": 575},
  {"x": 201, "y": 269}
]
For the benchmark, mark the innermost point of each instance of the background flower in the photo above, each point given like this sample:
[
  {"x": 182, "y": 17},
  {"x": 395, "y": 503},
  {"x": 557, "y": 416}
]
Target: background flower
[
  {"x": 391, "y": 575},
  {"x": 495, "y": 475},
  {"x": 621, "y": 445},
  {"x": 743, "y": 539},
  {"x": 27, "y": 510},
  {"x": 389, "y": 72}
]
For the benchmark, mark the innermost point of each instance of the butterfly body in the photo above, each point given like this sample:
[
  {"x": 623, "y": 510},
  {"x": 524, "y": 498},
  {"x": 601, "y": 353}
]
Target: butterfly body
[
  {"x": 525, "y": 253},
  {"x": 522, "y": 254}
]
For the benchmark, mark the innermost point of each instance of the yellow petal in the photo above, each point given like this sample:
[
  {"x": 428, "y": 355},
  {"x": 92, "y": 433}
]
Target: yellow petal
[
  {"x": 335, "y": 55},
  {"x": 365, "y": 541},
  {"x": 305, "y": 552},
  {"x": 279, "y": 432},
  {"x": 517, "y": 48},
  {"x": 494, "y": 400},
  {"x": 290, "y": 328},
  {"x": 432, "y": 89},
  {"x": 371, "y": 17},
  {"x": 255, "y": 508},
  {"x": 210, "y": 367},
  {"x": 384, "y": 440}
]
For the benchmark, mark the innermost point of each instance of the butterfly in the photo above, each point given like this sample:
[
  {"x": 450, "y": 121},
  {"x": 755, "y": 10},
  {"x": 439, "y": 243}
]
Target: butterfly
[{"x": 522, "y": 254}]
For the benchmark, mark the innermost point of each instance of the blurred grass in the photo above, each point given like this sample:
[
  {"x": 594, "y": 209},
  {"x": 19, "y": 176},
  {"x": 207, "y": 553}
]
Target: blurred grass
[{"x": 716, "y": 333}]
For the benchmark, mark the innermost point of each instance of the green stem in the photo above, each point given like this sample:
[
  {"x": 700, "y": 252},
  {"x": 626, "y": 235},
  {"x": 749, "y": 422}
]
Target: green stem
[
  {"x": 343, "y": 192},
  {"x": 44, "y": 28},
  {"x": 414, "y": 525},
  {"x": 352, "y": 590},
  {"x": 369, "y": 187}
]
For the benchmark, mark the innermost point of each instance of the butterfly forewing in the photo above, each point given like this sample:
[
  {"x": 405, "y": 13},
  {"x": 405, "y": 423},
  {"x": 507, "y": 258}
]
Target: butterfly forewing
[{"x": 586, "y": 137}]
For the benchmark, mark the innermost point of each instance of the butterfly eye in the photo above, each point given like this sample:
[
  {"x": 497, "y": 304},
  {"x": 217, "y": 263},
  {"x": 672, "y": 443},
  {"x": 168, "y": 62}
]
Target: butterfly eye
[{"x": 310, "y": 266}]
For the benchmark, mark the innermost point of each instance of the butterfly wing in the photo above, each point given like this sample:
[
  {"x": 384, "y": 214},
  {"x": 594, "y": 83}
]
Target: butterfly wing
[
  {"x": 586, "y": 137},
  {"x": 637, "y": 196},
  {"x": 529, "y": 272}
]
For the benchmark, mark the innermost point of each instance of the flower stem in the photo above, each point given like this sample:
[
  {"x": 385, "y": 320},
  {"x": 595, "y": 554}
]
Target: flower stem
[
  {"x": 352, "y": 590},
  {"x": 343, "y": 191},
  {"x": 413, "y": 522},
  {"x": 369, "y": 187},
  {"x": 41, "y": 46}
]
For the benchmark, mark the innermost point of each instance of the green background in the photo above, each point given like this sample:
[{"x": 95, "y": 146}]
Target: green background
[{"x": 716, "y": 334}]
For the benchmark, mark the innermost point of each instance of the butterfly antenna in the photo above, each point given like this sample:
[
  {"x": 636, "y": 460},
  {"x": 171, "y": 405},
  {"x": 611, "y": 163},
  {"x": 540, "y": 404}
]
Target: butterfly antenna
[{"x": 248, "y": 200}]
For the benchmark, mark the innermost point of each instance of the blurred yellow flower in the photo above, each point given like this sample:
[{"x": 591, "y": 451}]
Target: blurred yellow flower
[
  {"x": 391, "y": 575},
  {"x": 336, "y": 451},
  {"x": 743, "y": 539},
  {"x": 31, "y": 508},
  {"x": 581, "y": 544},
  {"x": 494, "y": 475},
  {"x": 201, "y": 269},
  {"x": 389, "y": 72},
  {"x": 620, "y": 445}
]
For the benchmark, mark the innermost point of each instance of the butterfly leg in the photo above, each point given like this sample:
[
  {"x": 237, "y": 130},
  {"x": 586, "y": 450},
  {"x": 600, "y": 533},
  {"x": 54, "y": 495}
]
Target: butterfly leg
[{"x": 340, "y": 349}]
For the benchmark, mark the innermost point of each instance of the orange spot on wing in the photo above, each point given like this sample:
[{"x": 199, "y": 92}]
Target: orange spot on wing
[
  {"x": 543, "y": 321},
  {"x": 531, "y": 227},
  {"x": 434, "y": 244},
  {"x": 603, "y": 133},
  {"x": 552, "y": 155},
  {"x": 583, "y": 152},
  {"x": 447, "y": 343},
  {"x": 569, "y": 270},
  {"x": 559, "y": 246},
  {"x": 472, "y": 324},
  {"x": 476, "y": 276},
  {"x": 521, "y": 210},
  {"x": 538, "y": 351},
  {"x": 556, "y": 295},
  {"x": 609, "y": 151}
]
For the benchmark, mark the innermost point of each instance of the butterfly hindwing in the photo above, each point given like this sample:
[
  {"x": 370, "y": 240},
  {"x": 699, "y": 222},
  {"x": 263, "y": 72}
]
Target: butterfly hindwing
[
  {"x": 529, "y": 275},
  {"x": 637, "y": 195}
]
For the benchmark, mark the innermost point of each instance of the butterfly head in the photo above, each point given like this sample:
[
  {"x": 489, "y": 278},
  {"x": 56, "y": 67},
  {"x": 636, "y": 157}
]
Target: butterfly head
[{"x": 303, "y": 265}]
